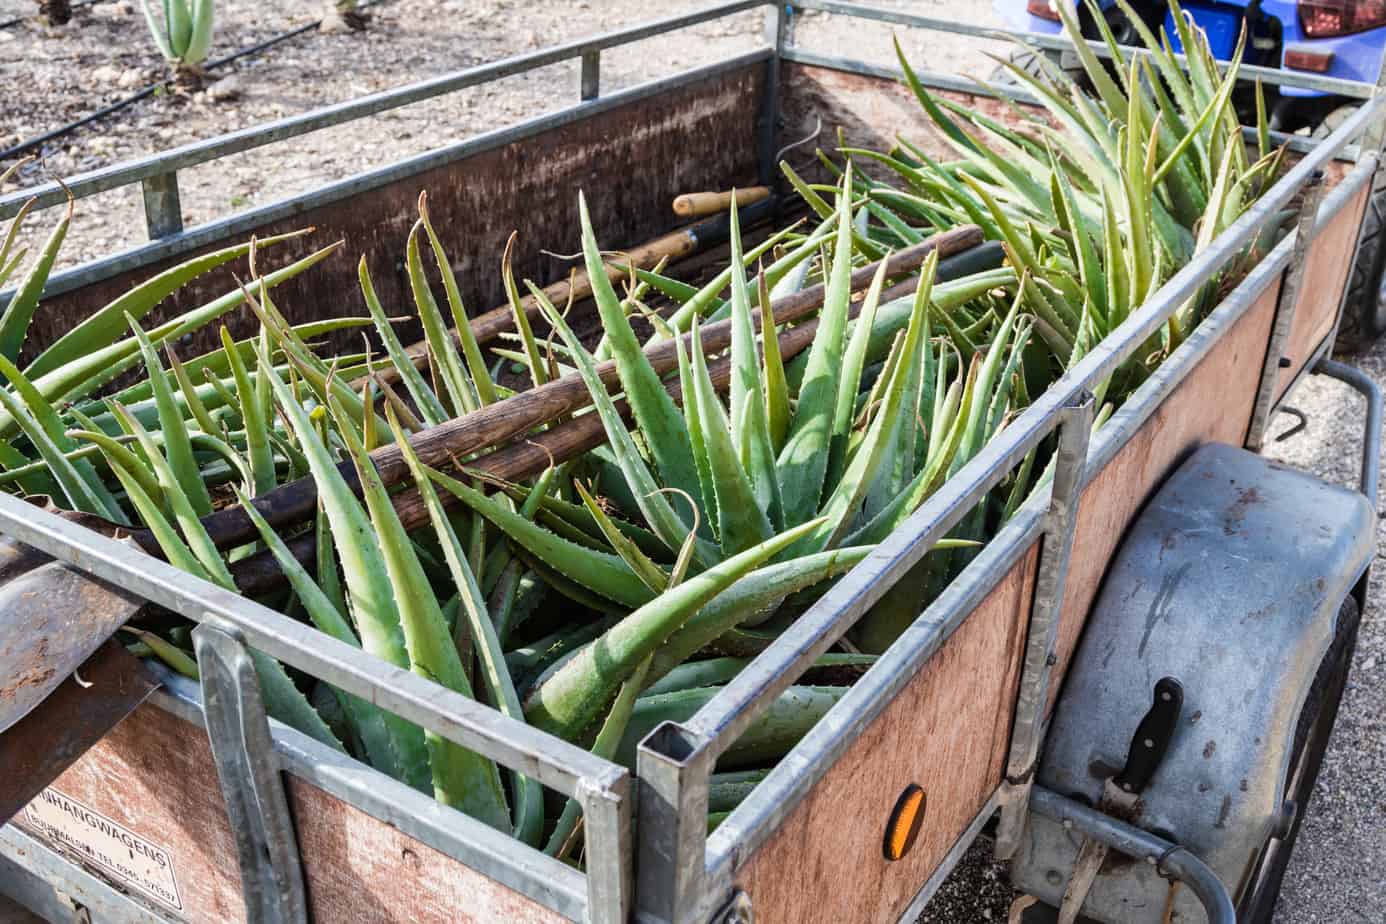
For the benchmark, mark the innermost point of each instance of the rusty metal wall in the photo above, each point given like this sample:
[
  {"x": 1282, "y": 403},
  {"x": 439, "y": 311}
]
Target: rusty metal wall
[{"x": 630, "y": 161}]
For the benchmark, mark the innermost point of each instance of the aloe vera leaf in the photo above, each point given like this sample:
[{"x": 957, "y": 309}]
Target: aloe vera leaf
[
  {"x": 748, "y": 600},
  {"x": 853, "y": 360},
  {"x": 803, "y": 462},
  {"x": 256, "y": 426},
  {"x": 608, "y": 739},
  {"x": 1083, "y": 250},
  {"x": 456, "y": 385},
  {"x": 462, "y": 778},
  {"x": 600, "y": 572},
  {"x": 741, "y": 522},
  {"x": 707, "y": 482},
  {"x": 777, "y": 408},
  {"x": 471, "y": 350},
  {"x": 367, "y": 720},
  {"x": 700, "y": 304},
  {"x": 538, "y": 371},
  {"x": 181, "y": 462},
  {"x": 769, "y": 738},
  {"x": 569, "y": 700},
  {"x": 78, "y": 491},
  {"x": 108, "y": 324},
  {"x": 712, "y": 672},
  {"x": 849, "y": 494},
  {"x": 661, "y": 517},
  {"x": 173, "y": 656},
  {"x": 660, "y": 422},
  {"x": 14, "y": 322},
  {"x": 529, "y": 796},
  {"x": 424, "y": 398},
  {"x": 83, "y": 375},
  {"x": 750, "y": 429},
  {"x": 189, "y": 392},
  {"x": 376, "y": 616},
  {"x": 653, "y": 576}
]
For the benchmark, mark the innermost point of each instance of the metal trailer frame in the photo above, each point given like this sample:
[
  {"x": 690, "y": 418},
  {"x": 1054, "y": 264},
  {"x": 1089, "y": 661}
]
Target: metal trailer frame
[{"x": 684, "y": 873}]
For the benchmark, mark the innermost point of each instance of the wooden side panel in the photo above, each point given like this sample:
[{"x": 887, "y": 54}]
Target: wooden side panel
[
  {"x": 1213, "y": 404},
  {"x": 630, "y": 161},
  {"x": 947, "y": 731},
  {"x": 154, "y": 775},
  {"x": 1327, "y": 270},
  {"x": 870, "y": 112},
  {"x": 360, "y": 870}
]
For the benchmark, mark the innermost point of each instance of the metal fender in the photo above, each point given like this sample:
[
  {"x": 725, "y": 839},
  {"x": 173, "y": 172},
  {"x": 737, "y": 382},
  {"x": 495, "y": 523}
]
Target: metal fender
[{"x": 1230, "y": 581}]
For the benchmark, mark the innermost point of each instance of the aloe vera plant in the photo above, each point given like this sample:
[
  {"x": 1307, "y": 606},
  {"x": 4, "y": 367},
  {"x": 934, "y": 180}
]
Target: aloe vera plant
[{"x": 182, "y": 30}]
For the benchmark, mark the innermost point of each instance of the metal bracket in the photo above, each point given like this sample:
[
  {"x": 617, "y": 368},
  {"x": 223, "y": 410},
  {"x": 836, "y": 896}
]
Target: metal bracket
[
  {"x": 590, "y": 79},
  {"x": 737, "y": 910},
  {"x": 1061, "y": 521},
  {"x": 163, "y": 211},
  {"x": 271, "y": 877},
  {"x": 1312, "y": 193}
]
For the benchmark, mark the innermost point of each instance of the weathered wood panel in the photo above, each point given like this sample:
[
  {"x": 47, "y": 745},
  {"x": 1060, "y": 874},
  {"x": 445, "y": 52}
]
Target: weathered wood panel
[
  {"x": 154, "y": 775},
  {"x": 701, "y": 136},
  {"x": 1327, "y": 268},
  {"x": 360, "y": 870},
  {"x": 947, "y": 731},
  {"x": 1213, "y": 403}
]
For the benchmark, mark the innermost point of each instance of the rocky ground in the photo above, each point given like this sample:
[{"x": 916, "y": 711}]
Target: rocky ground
[{"x": 50, "y": 76}]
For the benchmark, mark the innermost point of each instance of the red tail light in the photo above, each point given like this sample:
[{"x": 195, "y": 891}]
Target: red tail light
[
  {"x": 1325, "y": 18},
  {"x": 1042, "y": 9}
]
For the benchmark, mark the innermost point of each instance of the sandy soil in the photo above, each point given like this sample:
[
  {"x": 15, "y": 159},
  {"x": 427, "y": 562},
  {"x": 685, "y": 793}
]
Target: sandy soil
[{"x": 50, "y": 76}]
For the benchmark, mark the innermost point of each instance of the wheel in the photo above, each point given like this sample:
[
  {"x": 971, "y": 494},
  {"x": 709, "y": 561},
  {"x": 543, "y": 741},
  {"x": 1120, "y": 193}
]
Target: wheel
[
  {"x": 1312, "y": 731},
  {"x": 1364, "y": 306}
]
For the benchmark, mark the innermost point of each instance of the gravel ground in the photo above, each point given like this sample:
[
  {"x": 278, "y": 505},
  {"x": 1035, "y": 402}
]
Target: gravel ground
[{"x": 51, "y": 76}]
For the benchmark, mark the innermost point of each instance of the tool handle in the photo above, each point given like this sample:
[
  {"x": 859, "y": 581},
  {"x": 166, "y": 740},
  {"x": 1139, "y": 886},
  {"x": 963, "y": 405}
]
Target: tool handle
[
  {"x": 698, "y": 204},
  {"x": 1152, "y": 738}
]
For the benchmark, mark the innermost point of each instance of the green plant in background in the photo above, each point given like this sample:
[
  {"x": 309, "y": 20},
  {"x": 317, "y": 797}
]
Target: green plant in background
[{"x": 183, "y": 32}]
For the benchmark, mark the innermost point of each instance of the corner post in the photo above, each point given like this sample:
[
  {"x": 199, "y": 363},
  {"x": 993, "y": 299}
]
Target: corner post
[
  {"x": 1285, "y": 306},
  {"x": 1032, "y": 701},
  {"x": 673, "y": 767},
  {"x": 271, "y": 877}
]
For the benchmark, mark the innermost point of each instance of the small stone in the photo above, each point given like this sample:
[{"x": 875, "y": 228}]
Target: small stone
[
  {"x": 130, "y": 78},
  {"x": 105, "y": 75},
  {"x": 226, "y": 89}
]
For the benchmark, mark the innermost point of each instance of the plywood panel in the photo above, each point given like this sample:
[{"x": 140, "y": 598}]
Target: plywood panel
[
  {"x": 154, "y": 775},
  {"x": 1212, "y": 404},
  {"x": 360, "y": 870},
  {"x": 946, "y": 731},
  {"x": 1327, "y": 269}
]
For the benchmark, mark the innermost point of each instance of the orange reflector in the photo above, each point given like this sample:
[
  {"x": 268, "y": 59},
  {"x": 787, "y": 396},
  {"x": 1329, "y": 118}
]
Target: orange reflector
[
  {"x": 905, "y": 821},
  {"x": 1301, "y": 59},
  {"x": 1042, "y": 9}
]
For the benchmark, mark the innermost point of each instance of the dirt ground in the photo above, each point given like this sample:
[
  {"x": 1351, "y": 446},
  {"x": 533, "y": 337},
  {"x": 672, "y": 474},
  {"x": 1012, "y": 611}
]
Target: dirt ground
[{"x": 51, "y": 76}]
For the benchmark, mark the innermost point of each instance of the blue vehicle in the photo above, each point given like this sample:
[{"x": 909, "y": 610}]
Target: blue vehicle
[{"x": 1342, "y": 39}]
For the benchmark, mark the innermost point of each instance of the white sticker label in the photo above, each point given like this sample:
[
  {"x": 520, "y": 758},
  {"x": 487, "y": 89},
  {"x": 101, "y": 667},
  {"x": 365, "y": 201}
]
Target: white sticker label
[{"x": 134, "y": 861}]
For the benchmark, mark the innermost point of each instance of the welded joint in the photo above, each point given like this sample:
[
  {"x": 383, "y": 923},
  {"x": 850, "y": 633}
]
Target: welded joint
[
  {"x": 249, "y": 772},
  {"x": 163, "y": 209},
  {"x": 1305, "y": 226},
  {"x": 590, "y": 76},
  {"x": 1032, "y": 697}
]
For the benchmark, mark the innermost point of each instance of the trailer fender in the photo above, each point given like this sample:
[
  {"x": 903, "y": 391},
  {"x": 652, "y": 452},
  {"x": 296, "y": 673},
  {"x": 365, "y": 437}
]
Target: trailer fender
[{"x": 1230, "y": 581}]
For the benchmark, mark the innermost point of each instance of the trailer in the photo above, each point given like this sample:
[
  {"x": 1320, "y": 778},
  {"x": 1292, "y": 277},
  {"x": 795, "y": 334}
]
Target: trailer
[{"x": 1172, "y": 619}]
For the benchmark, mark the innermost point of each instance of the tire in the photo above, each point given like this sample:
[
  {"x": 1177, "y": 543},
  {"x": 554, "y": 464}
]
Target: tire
[
  {"x": 1312, "y": 731},
  {"x": 1364, "y": 305}
]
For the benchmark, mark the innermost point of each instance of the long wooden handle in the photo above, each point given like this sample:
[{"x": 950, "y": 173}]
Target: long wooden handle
[
  {"x": 499, "y": 423},
  {"x": 700, "y": 204}
]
